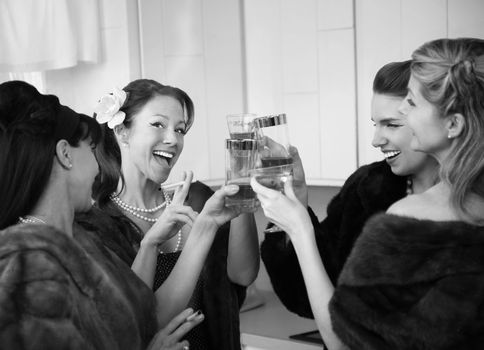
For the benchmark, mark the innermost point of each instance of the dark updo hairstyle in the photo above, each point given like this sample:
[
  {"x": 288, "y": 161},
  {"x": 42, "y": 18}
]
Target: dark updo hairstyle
[
  {"x": 31, "y": 124},
  {"x": 392, "y": 79},
  {"x": 139, "y": 93}
]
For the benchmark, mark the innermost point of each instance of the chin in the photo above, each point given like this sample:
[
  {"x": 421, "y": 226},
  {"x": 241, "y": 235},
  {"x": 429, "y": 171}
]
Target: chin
[
  {"x": 397, "y": 171},
  {"x": 160, "y": 178}
]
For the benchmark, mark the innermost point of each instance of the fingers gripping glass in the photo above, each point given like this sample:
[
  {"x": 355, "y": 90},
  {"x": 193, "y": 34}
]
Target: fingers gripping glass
[{"x": 273, "y": 177}]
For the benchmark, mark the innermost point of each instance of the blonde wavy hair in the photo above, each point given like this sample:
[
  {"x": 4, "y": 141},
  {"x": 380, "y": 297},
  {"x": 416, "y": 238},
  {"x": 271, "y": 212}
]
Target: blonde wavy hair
[{"x": 451, "y": 77}]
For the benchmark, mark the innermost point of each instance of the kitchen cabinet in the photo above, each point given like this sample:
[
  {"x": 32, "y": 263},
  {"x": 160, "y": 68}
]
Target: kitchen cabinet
[
  {"x": 314, "y": 60},
  {"x": 389, "y": 30},
  {"x": 300, "y": 60},
  {"x": 196, "y": 45}
]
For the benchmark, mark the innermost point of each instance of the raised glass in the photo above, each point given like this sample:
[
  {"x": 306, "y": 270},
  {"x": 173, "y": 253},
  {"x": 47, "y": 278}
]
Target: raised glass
[
  {"x": 241, "y": 126},
  {"x": 240, "y": 159},
  {"x": 273, "y": 138}
]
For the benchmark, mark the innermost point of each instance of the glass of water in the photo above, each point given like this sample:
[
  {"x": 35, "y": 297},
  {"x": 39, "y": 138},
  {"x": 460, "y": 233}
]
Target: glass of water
[
  {"x": 241, "y": 126},
  {"x": 273, "y": 177},
  {"x": 239, "y": 161}
]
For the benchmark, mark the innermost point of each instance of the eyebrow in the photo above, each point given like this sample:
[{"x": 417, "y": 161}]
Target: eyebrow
[
  {"x": 387, "y": 120},
  {"x": 410, "y": 91},
  {"x": 167, "y": 117}
]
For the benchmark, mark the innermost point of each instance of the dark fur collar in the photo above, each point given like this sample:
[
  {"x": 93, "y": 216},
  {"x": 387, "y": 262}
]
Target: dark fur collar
[
  {"x": 393, "y": 249},
  {"x": 412, "y": 284}
]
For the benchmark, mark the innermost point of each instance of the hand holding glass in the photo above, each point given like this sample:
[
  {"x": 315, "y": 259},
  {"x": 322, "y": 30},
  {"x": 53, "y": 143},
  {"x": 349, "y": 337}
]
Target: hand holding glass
[
  {"x": 274, "y": 157},
  {"x": 272, "y": 177}
]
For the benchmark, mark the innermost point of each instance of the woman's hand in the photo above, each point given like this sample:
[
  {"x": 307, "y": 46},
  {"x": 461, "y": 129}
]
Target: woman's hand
[
  {"x": 286, "y": 211},
  {"x": 174, "y": 217},
  {"x": 215, "y": 209},
  {"x": 169, "y": 338}
]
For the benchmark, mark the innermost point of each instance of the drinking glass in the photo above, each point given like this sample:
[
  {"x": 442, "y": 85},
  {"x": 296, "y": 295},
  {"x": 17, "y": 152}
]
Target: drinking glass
[
  {"x": 273, "y": 177},
  {"x": 241, "y": 126},
  {"x": 273, "y": 138},
  {"x": 240, "y": 158},
  {"x": 274, "y": 161}
]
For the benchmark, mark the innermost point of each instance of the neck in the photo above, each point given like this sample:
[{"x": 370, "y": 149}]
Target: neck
[
  {"x": 425, "y": 177},
  {"x": 140, "y": 192},
  {"x": 52, "y": 209}
]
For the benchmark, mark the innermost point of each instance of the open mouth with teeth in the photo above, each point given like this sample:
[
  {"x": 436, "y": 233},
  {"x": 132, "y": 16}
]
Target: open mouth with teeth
[
  {"x": 391, "y": 154},
  {"x": 164, "y": 156}
]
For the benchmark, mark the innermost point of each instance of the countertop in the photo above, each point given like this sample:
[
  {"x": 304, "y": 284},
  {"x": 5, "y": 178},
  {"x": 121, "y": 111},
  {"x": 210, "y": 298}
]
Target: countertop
[{"x": 269, "y": 327}]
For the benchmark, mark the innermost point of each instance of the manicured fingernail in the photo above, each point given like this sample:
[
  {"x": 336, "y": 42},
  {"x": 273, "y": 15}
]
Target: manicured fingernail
[
  {"x": 194, "y": 315},
  {"x": 232, "y": 187}
]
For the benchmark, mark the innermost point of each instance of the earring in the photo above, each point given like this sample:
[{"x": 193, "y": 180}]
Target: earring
[
  {"x": 125, "y": 144},
  {"x": 70, "y": 165},
  {"x": 449, "y": 136}
]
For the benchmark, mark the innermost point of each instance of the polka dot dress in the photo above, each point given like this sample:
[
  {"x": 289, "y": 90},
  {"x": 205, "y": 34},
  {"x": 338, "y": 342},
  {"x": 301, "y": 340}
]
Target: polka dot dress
[{"x": 198, "y": 336}]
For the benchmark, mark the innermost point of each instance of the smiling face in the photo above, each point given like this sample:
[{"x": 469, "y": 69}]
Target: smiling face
[
  {"x": 393, "y": 136},
  {"x": 429, "y": 129},
  {"x": 155, "y": 139}
]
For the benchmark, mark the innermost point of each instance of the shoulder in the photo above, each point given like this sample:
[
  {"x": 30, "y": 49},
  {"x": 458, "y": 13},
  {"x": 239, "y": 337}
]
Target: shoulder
[
  {"x": 112, "y": 228},
  {"x": 374, "y": 185},
  {"x": 393, "y": 247},
  {"x": 31, "y": 265},
  {"x": 430, "y": 205},
  {"x": 374, "y": 175},
  {"x": 407, "y": 206}
]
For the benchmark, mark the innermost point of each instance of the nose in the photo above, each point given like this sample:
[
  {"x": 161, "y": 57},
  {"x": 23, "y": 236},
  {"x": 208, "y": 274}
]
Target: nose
[
  {"x": 378, "y": 138},
  {"x": 403, "y": 108},
  {"x": 170, "y": 137}
]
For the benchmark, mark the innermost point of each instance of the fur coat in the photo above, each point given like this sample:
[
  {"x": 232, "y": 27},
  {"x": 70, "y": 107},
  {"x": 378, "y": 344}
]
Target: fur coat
[
  {"x": 57, "y": 292},
  {"x": 222, "y": 299},
  {"x": 412, "y": 284},
  {"x": 369, "y": 190}
]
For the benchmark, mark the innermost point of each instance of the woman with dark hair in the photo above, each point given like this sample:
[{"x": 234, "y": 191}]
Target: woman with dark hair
[
  {"x": 415, "y": 279},
  {"x": 415, "y": 276},
  {"x": 371, "y": 189},
  {"x": 61, "y": 289},
  {"x": 205, "y": 267}
]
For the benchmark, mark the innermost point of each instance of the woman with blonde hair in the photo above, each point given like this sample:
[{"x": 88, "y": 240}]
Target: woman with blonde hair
[{"x": 415, "y": 277}]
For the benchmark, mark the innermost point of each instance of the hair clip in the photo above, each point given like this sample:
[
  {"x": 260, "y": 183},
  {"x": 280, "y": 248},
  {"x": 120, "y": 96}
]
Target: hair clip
[{"x": 108, "y": 108}]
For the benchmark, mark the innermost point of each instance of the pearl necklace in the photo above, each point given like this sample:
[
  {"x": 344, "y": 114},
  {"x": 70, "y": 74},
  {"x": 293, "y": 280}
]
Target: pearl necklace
[
  {"x": 133, "y": 211},
  {"x": 178, "y": 243},
  {"x": 409, "y": 189},
  {"x": 29, "y": 219}
]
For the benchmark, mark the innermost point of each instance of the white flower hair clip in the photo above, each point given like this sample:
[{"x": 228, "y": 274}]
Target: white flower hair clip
[{"x": 108, "y": 108}]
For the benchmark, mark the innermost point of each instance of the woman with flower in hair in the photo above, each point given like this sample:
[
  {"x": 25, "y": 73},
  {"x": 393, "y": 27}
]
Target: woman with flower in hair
[
  {"x": 188, "y": 258},
  {"x": 415, "y": 276},
  {"x": 61, "y": 289}
]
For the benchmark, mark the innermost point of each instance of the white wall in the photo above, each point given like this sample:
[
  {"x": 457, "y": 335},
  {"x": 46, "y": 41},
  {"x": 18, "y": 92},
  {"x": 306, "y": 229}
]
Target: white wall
[
  {"x": 81, "y": 87},
  {"x": 389, "y": 30}
]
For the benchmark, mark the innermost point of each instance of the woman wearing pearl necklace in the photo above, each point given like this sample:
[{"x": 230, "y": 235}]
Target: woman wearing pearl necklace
[
  {"x": 144, "y": 127},
  {"x": 62, "y": 288}
]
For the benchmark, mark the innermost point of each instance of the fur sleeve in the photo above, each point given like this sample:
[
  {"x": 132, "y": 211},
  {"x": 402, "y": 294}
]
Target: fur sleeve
[
  {"x": 412, "y": 284},
  {"x": 36, "y": 307}
]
